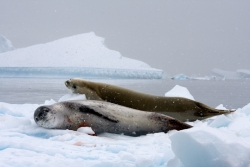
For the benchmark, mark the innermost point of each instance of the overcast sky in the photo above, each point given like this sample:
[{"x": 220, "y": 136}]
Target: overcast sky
[{"x": 189, "y": 37}]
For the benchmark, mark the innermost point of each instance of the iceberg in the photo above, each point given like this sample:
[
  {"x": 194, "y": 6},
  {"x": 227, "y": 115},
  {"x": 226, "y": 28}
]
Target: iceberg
[
  {"x": 238, "y": 74},
  {"x": 5, "y": 44},
  {"x": 79, "y": 55},
  {"x": 244, "y": 73},
  {"x": 225, "y": 74},
  {"x": 182, "y": 77}
]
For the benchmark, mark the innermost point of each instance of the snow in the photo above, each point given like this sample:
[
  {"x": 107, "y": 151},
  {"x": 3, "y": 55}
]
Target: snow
[
  {"x": 179, "y": 91},
  {"x": 219, "y": 141},
  {"x": 79, "y": 55},
  {"x": 5, "y": 44}
]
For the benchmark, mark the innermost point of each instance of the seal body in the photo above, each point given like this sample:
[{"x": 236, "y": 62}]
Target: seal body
[
  {"x": 180, "y": 108},
  {"x": 104, "y": 117}
]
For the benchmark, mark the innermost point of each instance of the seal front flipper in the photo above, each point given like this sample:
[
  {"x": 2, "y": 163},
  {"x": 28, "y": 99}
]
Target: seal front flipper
[{"x": 99, "y": 113}]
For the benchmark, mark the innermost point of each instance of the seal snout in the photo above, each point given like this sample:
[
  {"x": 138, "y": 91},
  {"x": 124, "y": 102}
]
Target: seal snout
[
  {"x": 41, "y": 113},
  {"x": 67, "y": 83}
]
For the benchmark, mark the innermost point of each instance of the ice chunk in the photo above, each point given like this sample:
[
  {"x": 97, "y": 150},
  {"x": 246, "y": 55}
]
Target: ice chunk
[
  {"x": 246, "y": 109},
  {"x": 240, "y": 123},
  {"x": 220, "y": 121},
  {"x": 49, "y": 102},
  {"x": 244, "y": 73},
  {"x": 221, "y": 107},
  {"x": 181, "y": 77},
  {"x": 226, "y": 74},
  {"x": 185, "y": 77},
  {"x": 179, "y": 91},
  {"x": 210, "y": 147},
  {"x": 86, "y": 130}
]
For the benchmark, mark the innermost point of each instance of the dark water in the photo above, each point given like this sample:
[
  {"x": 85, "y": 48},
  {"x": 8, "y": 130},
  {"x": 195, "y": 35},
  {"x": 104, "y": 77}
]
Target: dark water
[{"x": 230, "y": 93}]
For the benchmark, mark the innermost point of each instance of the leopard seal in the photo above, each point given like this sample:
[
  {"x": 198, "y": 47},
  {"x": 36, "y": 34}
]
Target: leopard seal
[
  {"x": 104, "y": 117},
  {"x": 177, "y": 107}
]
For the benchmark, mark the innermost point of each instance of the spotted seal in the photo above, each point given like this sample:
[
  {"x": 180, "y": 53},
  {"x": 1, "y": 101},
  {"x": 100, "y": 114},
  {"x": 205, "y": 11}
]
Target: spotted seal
[{"x": 104, "y": 117}]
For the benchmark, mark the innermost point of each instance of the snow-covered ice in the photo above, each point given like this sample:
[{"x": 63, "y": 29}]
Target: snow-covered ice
[
  {"x": 219, "y": 141},
  {"x": 79, "y": 55},
  {"x": 5, "y": 44}
]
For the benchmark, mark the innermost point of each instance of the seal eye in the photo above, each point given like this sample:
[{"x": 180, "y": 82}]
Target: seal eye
[{"x": 74, "y": 86}]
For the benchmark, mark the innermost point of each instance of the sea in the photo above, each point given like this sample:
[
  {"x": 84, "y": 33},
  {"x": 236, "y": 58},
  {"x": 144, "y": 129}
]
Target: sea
[{"x": 232, "y": 94}]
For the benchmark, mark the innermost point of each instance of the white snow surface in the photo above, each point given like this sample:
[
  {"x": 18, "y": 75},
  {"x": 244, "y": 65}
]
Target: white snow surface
[
  {"x": 219, "y": 141},
  {"x": 5, "y": 44},
  {"x": 84, "y": 53}
]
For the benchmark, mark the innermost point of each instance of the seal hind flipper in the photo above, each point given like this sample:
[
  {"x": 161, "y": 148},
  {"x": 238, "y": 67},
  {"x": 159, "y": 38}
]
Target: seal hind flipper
[
  {"x": 88, "y": 109},
  {"x": 206, "y": 111}
]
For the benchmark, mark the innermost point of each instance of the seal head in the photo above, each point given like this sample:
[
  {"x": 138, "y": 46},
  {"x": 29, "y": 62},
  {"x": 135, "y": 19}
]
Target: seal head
[{"x": 47, "y": 117}]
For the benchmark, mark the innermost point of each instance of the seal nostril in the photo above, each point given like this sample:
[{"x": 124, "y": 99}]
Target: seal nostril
[
  {"x": 37, "y": 119},
  {"x": 67, "y": 83}
]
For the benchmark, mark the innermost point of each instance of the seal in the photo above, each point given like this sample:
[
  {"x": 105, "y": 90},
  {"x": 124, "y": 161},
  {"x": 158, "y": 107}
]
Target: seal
[
  {"x": 104, "y": 117},
  {"x": 180, "y": 108}
]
